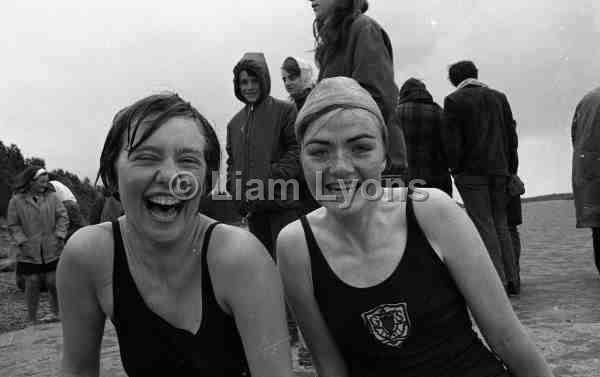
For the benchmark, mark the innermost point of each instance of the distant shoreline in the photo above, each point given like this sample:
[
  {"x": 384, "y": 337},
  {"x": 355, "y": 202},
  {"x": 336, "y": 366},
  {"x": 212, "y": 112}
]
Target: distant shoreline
[{"x": 544, "y": 198}]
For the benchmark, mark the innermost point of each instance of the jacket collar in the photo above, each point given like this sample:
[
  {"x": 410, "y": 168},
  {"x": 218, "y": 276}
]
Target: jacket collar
[{"x": 471, "y": 82}]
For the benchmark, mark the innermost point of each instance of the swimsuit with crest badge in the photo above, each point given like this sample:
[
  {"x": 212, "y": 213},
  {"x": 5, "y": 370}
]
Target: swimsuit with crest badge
[
  {"x": 413, "y": 324},
  {"x": 149, "y": 345}
]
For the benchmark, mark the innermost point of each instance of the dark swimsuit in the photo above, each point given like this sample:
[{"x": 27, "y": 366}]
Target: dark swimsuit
[
  {"x": 150, "y": 346},
  {"x": 413, "y": 324}
]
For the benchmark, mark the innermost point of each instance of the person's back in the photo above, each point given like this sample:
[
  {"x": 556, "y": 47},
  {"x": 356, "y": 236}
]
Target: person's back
[
  {"x": 585, "y": 135},
  {"x": 421, "y": 120},
  {"x": 485, "y": 117},
  {"x": 69, "y": 200},
  {"x": 480, "y": 143}
]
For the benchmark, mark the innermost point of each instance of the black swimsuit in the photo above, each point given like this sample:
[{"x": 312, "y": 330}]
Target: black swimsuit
[
  {"x": 413, "y": 324},
  {"x": 150, "y": 346}
]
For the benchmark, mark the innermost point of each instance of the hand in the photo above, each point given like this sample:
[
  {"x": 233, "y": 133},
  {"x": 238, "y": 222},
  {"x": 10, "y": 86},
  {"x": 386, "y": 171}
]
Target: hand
[{"x": 60, "y": 243}]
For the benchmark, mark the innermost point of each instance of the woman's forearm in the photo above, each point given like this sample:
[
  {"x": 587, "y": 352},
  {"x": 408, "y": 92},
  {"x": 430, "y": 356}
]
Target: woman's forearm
[{"x": 521, "y": 356}]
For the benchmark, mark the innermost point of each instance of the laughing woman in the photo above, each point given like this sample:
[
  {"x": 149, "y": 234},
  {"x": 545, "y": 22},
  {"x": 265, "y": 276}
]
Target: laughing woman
[
  {"x": 188, "y": 296},
  {"x": 380, "y": 283}
]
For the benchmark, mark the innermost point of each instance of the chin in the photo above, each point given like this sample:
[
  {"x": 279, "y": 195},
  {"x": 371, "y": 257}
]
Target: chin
[
  {"x": 165, "y": 230},
  {"x": 342, "y": 208}
]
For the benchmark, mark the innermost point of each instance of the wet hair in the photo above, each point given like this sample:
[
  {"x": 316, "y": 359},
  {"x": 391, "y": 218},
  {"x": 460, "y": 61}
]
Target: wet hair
[
  {"x": 22, "y": 182},
  {"x": 332, "y": 35},
  {"x": 154, "y": 110},
  {"x": 462, "y": 70},
  {"x": 290, "y": 65}
]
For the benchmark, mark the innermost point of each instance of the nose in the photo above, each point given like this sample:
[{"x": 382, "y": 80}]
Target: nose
[
  {"x": 341, "y": 164},
  {"x": 166, "y": 171}
]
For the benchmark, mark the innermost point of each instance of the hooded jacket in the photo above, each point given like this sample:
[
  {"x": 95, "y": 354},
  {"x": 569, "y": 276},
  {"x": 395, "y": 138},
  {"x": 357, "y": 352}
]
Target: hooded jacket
[
  {"x": 37, "y": 226},
  {"x": 367, "y": 58},
  {"x": 261, "y": 145},
  {"x": 585, "y": 135},
  {"x": 421, "y": 120}
]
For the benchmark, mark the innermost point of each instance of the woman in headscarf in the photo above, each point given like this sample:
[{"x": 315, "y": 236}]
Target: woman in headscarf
[
  {"x": 350, "y": 43},
  {"x": 188, "y": 296},
  {"x": 38, "y": 222},
  {"x": 298, "y": 78},
  {"x": 381, "y": 280}
]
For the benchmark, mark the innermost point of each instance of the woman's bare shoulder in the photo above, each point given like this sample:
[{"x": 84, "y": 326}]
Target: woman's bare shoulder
[
  {"x": 232, "y": 247},
  {"x": 91, "y": 248}
]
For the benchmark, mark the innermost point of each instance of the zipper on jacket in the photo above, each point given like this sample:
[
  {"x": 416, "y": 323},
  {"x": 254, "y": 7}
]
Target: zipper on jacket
[{"x": 246, "y": 138}]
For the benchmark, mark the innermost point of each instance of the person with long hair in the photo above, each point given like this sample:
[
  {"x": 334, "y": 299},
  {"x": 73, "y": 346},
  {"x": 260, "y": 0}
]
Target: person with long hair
[
  {"x": 350, "y": 43},
  {"x": 188, "y": 296},
  {"x": 382, "y": 280},
  {"x": 38, "y": 222}
]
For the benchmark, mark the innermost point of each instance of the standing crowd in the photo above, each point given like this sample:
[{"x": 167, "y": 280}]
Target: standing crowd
[{"x": 380, "y": 284}]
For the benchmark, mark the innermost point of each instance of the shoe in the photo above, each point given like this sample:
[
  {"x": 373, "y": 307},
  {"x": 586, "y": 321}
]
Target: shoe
[
  {"x": 513, "y": 288},
  {"x": 49, "y": 318}
]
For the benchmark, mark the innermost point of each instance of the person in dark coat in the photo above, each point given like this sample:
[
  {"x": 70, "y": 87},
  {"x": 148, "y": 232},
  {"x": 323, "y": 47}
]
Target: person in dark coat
[
  {"x": 480, "y": 142},
  {"x": 263, "y": 167},
  {"x": 585, "y": 135},
  {"x": 514, "y": 218},
  {"x": 350, "y": 43},
  {"x": 421, "y": 120},
  {"x": 298, "y": 78}
]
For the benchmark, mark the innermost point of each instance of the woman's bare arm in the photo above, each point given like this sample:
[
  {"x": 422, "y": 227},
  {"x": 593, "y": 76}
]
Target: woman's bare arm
[
  {"x": 81, "y": 315},
  {"x": 294, "y": 268},
  {"x": 449, "y": 228},
  {"x": 246, "y": 278}
]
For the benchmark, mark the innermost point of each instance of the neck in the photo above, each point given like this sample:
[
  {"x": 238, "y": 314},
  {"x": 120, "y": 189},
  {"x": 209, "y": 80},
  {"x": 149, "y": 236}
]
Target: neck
[
  {"x": 361, "y": 228},
  {"x": 162, "y": 258}
]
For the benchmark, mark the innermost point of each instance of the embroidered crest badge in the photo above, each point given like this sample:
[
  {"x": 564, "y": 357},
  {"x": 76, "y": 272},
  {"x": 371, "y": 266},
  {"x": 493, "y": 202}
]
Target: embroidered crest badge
[{"x": 388, "y": 323}]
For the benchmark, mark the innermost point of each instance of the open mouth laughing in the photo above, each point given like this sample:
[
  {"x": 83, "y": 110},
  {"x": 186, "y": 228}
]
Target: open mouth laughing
[{"x": 163, "y": 208}]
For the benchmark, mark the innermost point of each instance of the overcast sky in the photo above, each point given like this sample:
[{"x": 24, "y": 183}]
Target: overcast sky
[{"x": 66, "y": 69}]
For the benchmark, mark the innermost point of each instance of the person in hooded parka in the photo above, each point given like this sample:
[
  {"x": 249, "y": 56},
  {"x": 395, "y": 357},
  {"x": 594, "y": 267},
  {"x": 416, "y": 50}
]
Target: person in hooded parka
[{"x": 263, "y": 167}]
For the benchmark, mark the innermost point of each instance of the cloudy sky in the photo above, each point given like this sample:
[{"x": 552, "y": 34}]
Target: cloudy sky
[{"x": 66, "y": 69}]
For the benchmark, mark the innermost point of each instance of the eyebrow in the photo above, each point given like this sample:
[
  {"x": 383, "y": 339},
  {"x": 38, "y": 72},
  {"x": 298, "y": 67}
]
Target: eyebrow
[
  {"x": 143, "y": 148},
  {"x": 155, "y": 149},
  {"x": 189, "y": 150},
  {"x": 351, "y": 140}
]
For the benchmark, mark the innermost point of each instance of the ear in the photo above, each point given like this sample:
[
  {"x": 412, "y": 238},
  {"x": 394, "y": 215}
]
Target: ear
[{"x": 384, "y": 163}]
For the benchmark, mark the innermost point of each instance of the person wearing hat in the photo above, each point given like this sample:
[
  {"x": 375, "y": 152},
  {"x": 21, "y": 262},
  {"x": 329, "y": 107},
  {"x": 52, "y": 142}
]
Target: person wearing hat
[
  {"x": 381, "y": 280},
  {"x": 38, "y": 222},
  {"x": 69, "y": 200}
]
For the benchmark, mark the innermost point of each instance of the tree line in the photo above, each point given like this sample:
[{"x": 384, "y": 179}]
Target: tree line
[{"x": 12, "y": 162}]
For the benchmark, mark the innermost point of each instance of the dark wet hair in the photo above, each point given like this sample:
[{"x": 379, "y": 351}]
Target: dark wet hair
[
  {"x": 332, "y": 36},
  {"x": 155, "y": 110},
  {"x": 22, "y": 182},
  {"x": 462, "y": 70},
  {"x": 290, "y": 65}
]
